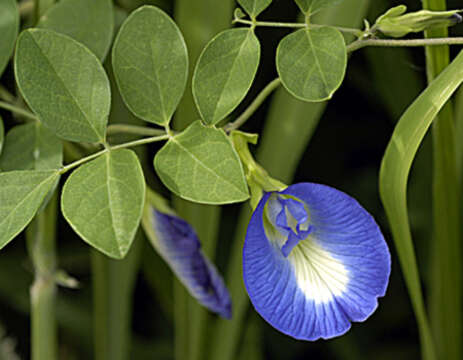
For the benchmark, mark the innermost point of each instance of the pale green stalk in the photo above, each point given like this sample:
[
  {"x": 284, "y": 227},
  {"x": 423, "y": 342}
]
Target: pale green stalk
[
  {"x": 41, "y": 241},
  {"x": 113, "y": 284},
  {"x": 446, "y": 284},
  {"x": 288, "y": 129},
  {"x": 199, "y": 21}
]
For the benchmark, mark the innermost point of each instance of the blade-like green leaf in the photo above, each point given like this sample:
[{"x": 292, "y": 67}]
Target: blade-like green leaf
[
  {"x": 201, "y": 165},
  {"x": 31, "y": 147},
  {"x": 2, "y": 134},
  {"x": 254, "y": 7},
  {"x": 395, "y": 168},
  {"x": 21, "y": 194},
  {"x": 312, "y": 6},
  {"x": 103, "y": 201},
  {"x": 90, "y": 22},
  {"x": 225, "y": 72},
  {"x": 312, "y": 63},
  {"x": 9, "y": 25},
  {"x": 150, "y": 63},
  {"x": 64, "y": 84}
]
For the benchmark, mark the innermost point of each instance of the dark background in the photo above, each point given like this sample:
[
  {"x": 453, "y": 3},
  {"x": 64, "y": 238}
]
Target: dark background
[{"x": 345, "y": 152}]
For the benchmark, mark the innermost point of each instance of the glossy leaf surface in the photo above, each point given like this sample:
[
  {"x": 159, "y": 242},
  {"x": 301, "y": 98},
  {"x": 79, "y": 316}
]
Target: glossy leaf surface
[
  {"x": 150, "y": 63},
  {"x": 201, "y": 165},
  {"x": 103, "y": 201},
  {"x": 91, "y": 22},
  {"x": 64, "y": 84},
  {"x": 225, "y": 72},
  {"x": 312, "y": 63}
]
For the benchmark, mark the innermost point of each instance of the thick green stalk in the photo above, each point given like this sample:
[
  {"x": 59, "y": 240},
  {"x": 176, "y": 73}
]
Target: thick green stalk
[
  {"x": 113, "y": 283},
  {"x": 290, "y": 124},
  {"x": 41, "y": 241},
  {"x": 199, "y": 21},
  {"x": 446, "y": 284}
]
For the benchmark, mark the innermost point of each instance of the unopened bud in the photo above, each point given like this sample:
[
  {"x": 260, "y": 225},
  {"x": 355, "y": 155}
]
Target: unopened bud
[{"x": 395, "y": 24}]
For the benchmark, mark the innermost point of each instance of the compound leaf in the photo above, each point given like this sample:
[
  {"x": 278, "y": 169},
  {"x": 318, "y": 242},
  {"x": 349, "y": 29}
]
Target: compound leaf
[
  {"x": 103, "y": 201},
  {"x": 31, "y": 147},
  {"x": 21, "y": 194},
  {"x": 90, "y": 22},
  {"x": 9, "y": 25},
  {"x": 150, "y": 63},
  {"x": 312, "y": 63},
  {"x": 225, "y": 72},
  {"x": 201, "y": 165},
  {"x": 64, "y": 84}
]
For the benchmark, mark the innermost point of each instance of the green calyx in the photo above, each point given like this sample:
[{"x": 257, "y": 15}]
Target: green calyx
[
  {"x": 396, "y": 23},
  {"x": 256, "y": 176}
]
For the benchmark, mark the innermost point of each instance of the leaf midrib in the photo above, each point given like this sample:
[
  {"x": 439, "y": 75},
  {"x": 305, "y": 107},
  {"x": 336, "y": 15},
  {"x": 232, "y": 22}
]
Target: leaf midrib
[
  {"x": 184, "y": 149},
  {"x": 65, "y": 87}
]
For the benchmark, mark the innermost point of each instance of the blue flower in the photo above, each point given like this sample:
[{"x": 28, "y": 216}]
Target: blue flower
[
  {"x": 177, "y": 243},
  {"x": 313, "y": 261}
]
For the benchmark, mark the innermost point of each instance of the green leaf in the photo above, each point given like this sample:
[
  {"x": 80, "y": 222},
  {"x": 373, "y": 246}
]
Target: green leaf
[
  {"x": 103, "y": 201},
  {"x": 201, "y": 165},
  {"x": 2, "y": 134},
  {"x": 395, "y": 168},
  {"x": 150, "y": 63},
  {"x": 254, "y": 7},
  {"x": 9, "y": 25},
  {"x": 90, "y": 22},
  {"x": 31, "y": 147},
  {"x": 313, "y": 6},
  {"x": 225, "y": 72},
  {"x": 312, "y": 63},
  {"x": 64, "y": 84},
  {"x": 21, "y": 194}
]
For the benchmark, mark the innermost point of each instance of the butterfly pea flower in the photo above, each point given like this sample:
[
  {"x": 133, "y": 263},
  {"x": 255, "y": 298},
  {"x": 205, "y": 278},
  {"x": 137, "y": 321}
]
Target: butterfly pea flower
[
  {"x": 314, "y": 261},
  {"x": 177, "y": 243}
]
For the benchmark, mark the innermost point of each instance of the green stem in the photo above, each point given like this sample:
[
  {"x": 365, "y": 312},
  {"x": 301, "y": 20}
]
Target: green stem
[
  {"x": 115, "y": 147},
  {"x": 446, "y": 285},
  {"x": 271, "y": 86},
  {"x": 113, "y": 284},
  {"x": 41, "y": 240},
  {"x": 17, "y": 110},
  {"x": 6, "y": 95},
  {"x": 199, "y": 27},
  {"x": 358, "y": 44},
  {"x": 133, "y": 129},
  {"x": 357, "y": 32}
]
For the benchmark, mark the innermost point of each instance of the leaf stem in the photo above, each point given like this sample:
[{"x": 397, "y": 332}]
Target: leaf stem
[
  {"x": 358, "y": 44},
  {"x": 6, "y": 95},
  {"x": 271, "y": 86},
  {"x": 134, "y": 129},
  {"x": 17, "y": 110},
  {"x": 41, "y": 241},
  {"x": 294, "y": 25},
  {"x": 115, "y": 147}
]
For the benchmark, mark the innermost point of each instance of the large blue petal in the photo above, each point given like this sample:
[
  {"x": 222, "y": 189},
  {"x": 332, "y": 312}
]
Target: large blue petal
[
  {"x": 177, "y": 242},
  {"x": 331, "y": 278}
]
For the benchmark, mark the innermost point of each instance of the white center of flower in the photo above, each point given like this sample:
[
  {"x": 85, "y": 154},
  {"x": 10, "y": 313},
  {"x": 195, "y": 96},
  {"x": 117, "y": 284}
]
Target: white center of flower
[{"x": 318, "y": 274}]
